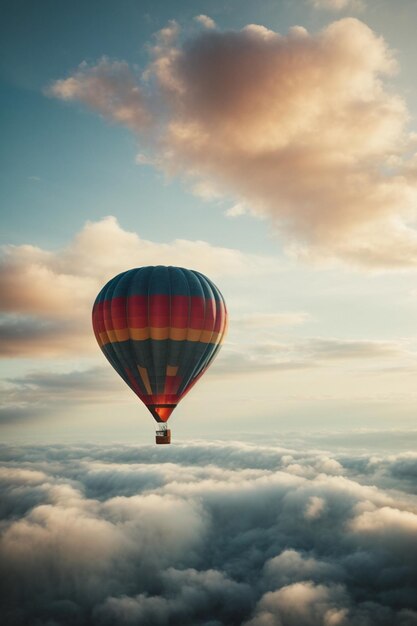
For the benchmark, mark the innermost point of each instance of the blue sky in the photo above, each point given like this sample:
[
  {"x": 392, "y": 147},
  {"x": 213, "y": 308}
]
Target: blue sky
[{"x": 322, "y": 296}]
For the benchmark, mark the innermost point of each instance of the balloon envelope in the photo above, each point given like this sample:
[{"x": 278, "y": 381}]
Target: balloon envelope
[{"x": 160, "y": 328}]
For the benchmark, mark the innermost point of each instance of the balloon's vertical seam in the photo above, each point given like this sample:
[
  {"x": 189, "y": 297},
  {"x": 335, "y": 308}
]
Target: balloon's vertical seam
[
  {"x": 109, "y": 343},
  {"x": 189, "y": 346},
  {"x": 109, "y": 352},
  {"x": 217, "y": 345},
  {"x": 124, "y": 347},
  {"x": 152, "y": 377},
  {"x": 129, "y": 352},
  {"x": 169, "y": 351},
  {"x": 209, "y": 348},
  {"x": 189, "y": 377},
  {"x": 115, "y": 345},
  {"x": 186, "y": 341},
  {"x": 207, "y": 356},
  {"x": 132, "y": 345}
]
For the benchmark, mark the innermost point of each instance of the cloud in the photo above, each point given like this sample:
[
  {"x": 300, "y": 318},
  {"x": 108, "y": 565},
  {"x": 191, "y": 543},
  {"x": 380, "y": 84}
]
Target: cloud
[
  {"x": 48, "y": 295},
  {"x": 332, "y": 348},
  {"x": 236, "y": 210},
  {"x": 337, "y": 5},
  {"x": 40, "y": 392},
  {"x": 110, "y": 88},
  {"x": 315, "y": 507},
  {"x": 271, "y": 320},
  {"x": 262, "y": 358},
  {"x": 187, "y": 594},
  {"x": 210, "y": 534},
  {"x": 386, "y": 523},
  {"x": 311, "y": 117},
  {"x": 205, "y": 21},
  {"x": 24, "y": 335},
  {"x": 304, "y": 603},
  {"x": 261, "y": 348}
]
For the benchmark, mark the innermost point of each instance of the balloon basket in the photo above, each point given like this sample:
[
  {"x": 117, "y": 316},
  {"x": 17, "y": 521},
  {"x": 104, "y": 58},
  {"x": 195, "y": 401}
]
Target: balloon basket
[{"x": 163, "y": 436}]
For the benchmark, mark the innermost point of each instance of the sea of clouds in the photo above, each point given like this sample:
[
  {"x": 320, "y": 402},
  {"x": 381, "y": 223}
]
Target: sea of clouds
[{"x": 207, "y": 534}]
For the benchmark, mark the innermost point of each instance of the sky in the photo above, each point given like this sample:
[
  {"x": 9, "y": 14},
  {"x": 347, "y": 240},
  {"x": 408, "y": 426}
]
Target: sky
[
  {"x": 273, "y": 147},
  {"x": 270, "y": 146}
]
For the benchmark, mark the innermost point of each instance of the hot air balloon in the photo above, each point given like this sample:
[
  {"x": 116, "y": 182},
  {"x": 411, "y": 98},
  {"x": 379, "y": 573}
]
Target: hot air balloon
[{"x": 160, "y": 328}]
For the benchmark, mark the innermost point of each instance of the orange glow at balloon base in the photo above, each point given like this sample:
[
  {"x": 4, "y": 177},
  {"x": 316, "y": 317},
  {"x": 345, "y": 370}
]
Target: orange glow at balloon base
[{"x": 161, "y": 412}]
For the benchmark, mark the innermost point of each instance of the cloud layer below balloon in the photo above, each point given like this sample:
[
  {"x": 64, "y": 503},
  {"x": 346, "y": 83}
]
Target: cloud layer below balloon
[
  {"x": 301, "y": 128},
  {"x": 213, "y": 534}
]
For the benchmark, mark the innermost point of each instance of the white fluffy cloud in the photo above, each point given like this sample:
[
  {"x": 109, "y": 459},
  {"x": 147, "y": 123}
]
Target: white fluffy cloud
[
  {"x": 300, "y": 128},
  {"x": 210, "y": 534},
  {"x": 109, "y": 88},
  {"x": 205, "y": 21},
  {"x": 48, "y": 295},
  {"x": 337, "y": 5},
  {"x": 304, "y": 603}
]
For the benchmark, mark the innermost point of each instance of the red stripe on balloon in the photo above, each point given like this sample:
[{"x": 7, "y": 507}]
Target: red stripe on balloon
[
  {"x": 220, "y": 317},
  {"x": 160, "y": 311}
]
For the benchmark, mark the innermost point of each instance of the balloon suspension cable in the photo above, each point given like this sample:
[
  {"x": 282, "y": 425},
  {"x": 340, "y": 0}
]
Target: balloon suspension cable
[{"x": 163, "y": 433}]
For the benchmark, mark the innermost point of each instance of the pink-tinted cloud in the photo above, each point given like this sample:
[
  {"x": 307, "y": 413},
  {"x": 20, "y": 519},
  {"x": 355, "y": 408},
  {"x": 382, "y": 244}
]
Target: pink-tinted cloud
[
  {"x": 109, "y": 88},
  {"x": 302, "y": 129},
  {"x": 205, "y": 21},
  {"x": 48, "y": 296}
]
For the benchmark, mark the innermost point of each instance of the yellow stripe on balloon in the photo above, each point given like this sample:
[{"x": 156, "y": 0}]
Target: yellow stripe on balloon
[
  {"x": 159, "y": 334},
  {"x": 178, "y": 334},
  {"x": 140, "y": 334}
]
